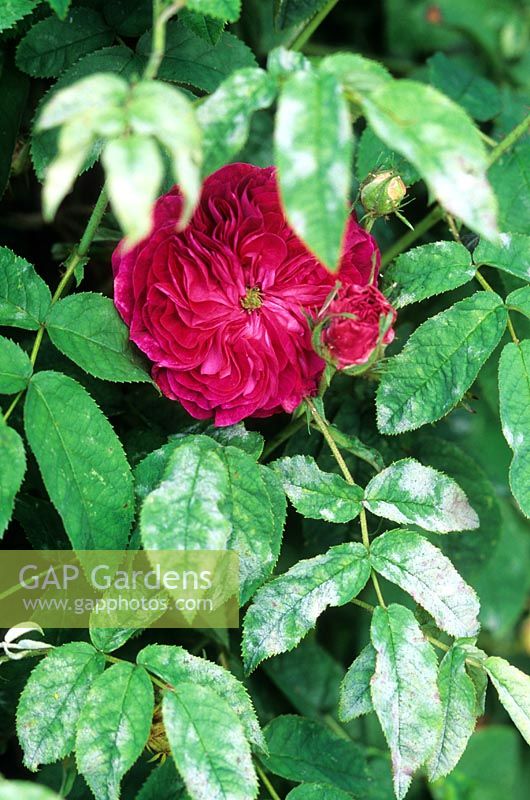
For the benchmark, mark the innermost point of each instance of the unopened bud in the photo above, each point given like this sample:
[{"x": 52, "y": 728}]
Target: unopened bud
[{"x": 382, "y": 193}]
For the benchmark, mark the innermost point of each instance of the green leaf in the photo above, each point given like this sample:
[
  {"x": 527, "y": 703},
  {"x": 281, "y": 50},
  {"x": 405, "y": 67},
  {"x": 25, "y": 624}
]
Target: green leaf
[
  {"x": 15, "y": 367},
  {"x": 511, "y": 254},
  {"x": 221, "y": 9},
  {"x": 317, "y": 791},
  {"x": 24, "y": 297},
  {"x": 408, "y": 492},
  {"x": 519, "y": 300},
  {"x": 304, "y": 750},
  {"x": 24, "y": 790},
  {"x": 439, "y": 363},
  {"x": 13, "y": 10},
  {"x": 113, "y": 727},
  {"x": 87, "y": 476},
  {"x": 514, "y": 401},
  {"x": 251, "y": 442},
  {"x": 50, "y": 705},
  {"x": 476, "y": 94},
  {"x": 189, "y": 59},
  {"x": 87, "y": 328},
  {"x": 457, "y": 695},
  {"x": 355, "y": 696},
  {"x": 60, "y": 7},
  {"x": 358, "y": 75},
  {"x": 13, "y": 97},
  {"x": 404, "y": 691},
  {"x": 12, "y": 469},
  {"x": 284, "y": 610},
  {"x": 428, "y": 270},
  {"x": 51, "y": 45},
  {"x": 373, "y": 155},
  {"x": 510, "y": 177},
  {"x": 134, "y": 170},
  {"x": 352, "y": 444},
  {"x": 208, "y": 744},
  {"x": 313, "y": 144},
  {"x": 206, "y": 28},
  {"x": 163, "y": 783},
  {"x": 513, "y": 688},
  {"x": 129, "y": 17},
  {"x": 292, "y": 12},
  {"x": 159, "y": 110},
  {"x": 175, "y": 666},
  {"x": 316, "y": 494},
  {"x": 439, "y": 139},
  {"x": 226, "y": 114},
  {"x": 420, "y": 569}
]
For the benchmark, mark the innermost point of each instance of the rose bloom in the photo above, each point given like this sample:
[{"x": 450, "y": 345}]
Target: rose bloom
[
  {"x": 221, "y": 307},
  {"x": 352, "y": 333}
]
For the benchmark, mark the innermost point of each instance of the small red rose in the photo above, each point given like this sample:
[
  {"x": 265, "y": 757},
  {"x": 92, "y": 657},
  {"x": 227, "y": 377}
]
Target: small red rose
[
  {"x": 221, "y": 308},
  {"x": 359, "y": 319}
]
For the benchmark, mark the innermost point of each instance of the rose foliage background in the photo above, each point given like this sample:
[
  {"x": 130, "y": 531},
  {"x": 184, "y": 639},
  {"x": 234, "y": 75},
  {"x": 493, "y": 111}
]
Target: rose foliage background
[{"x": 314, "y": 352}]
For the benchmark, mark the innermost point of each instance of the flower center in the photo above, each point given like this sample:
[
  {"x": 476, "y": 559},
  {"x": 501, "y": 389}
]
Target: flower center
[{"x": 252, "y": 300}]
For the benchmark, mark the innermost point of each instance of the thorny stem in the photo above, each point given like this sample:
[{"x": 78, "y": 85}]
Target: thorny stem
[
  {"x": 310, "y": 27},
  {"x": 266, "y": 782},
  {"x": 161, "y": 17},
  {"x": 323, "y": 428},
  {"x": 509, "y": 140}
]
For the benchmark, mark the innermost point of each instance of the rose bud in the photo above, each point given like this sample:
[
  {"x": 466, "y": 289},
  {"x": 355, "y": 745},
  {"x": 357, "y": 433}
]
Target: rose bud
[
  {"x": 357, "y": 326},
  {"x": 382, "y": 193}
]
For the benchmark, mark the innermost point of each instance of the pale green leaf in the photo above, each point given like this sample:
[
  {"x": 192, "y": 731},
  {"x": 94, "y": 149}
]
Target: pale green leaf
[
  {"x": 407, "y": 559},
  {"x": 12, "y": 469},
  {"x": 513, "y": 688},
  {"x": 15, "y": 367},
  {"x": 457, "y": 695},
  {"x": 355, "y": 695},
  {"x": 174, "y": 666},
  {"x": 221, "y": 9},
  {"x": 408, "y": 492},
  {"x": 81, "y": 461},
  {"x": 226, "y": 114},
  {"x": 134, "y": 170},
  {"x": 24, "y": 297},
  {"x": 284, "y": 610},
  {"x": 317, "y": 494},
  {"x": 83, "y": 98},
  {"x": 519, "y": 300},
  {"x": 87, "y": 328},
  {"x": 358, "y": 75},
  {"x": 439, "y": 139},
  {"x": 313, "y": 150},
  {"x": 404, "y": 691},
  {"x": 302, "y": 749},
  {"x": 74, "y": 144},
  {"x": 428, "y": 270},
  {"x": 24, "y": 790},
  {"x": 511, "y": 254},
  {"x": 50, "y": 705},
  {"x": 52, "y": 45},
  {"x": 439, "y": 363},
  {"x": 514, "y": 401},
  {"x": 113, "y": 727},
  {"x": 208, "y": 744}
]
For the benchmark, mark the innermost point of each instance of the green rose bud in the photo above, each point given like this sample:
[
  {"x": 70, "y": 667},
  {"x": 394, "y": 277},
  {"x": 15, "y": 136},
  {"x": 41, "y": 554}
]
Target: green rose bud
[{"x": 382, "y": 193}]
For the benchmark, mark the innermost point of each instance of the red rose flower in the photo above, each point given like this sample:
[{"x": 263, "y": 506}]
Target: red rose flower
[
  {"x": 353, "y": 332},
  {"x": 221, "y": 307}
]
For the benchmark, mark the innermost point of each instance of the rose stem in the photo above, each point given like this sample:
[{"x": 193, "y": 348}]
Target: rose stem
[{"x": 310, "y": 27}]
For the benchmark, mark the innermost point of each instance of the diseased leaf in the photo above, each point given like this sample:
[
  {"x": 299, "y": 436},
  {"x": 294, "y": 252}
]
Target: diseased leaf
[
  {"x": 428, "y": 270},
  {"x": 514, "y": 401},
  {"x": 457, "y": 695},
  {"x": 419, "y": 568},
  {"x": 313, "y": 144},
  {"x": 15, "y": 367},
  {"x": 513, "y": 688},
  {"x": 404, "y": 691},
  {"x": 87, "y": 477},
  {"x": 301, "y": 749},
  {"x": 317, "y": 494},
  {"x": 51, "y": 45},
  {"x": 226, "y": 114},
  {"x": 408, "y": 492},
  {"x": 438, "y": 138},
  {"x": 284, "y": 610},
  {"x": 24, "y": 790},
  {"x": 175, "y": 666},
  {"x": 87, "y": 328},
  {"x": 208, "y": 744},
  {"x": 12, "y": 469},
  {"x": 251, "y": 442},
  {"x": 439, "y": 363},
  {"x": 358, "y": 75},
  {"x": 355, "y": 694},
  {"x": 113, "y": 727},
  {"x": 50, "y": 705},
  {"x": 510, "y": 177},
  {"x": 511, "y": 254},
  {"x": 24, "y": 297}
]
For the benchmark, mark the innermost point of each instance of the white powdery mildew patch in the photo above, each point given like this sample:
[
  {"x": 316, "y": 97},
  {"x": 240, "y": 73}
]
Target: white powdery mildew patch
[
  {"x": 454, "y": 507},
  {"x": 417, "y": 481},
  {"x": 290, "y": 112},
  {"x": 302, "y": 164}
]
